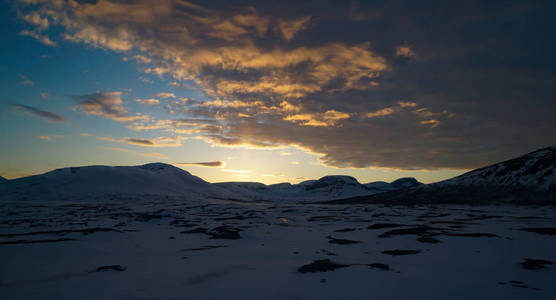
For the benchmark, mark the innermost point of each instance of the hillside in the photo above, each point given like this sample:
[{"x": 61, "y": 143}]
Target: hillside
[{"x": 528, "y": 179}]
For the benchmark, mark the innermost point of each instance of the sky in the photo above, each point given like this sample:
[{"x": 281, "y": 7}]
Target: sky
[{"x": 274, "y": 91}]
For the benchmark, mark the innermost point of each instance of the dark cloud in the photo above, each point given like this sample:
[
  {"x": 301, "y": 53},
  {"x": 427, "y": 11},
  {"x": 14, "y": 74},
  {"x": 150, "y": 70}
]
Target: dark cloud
[
  {"x": 139, "y": 142},
  {"x": 211, "y": 164},
  {"x": 329, "y": 77},
  {"x": 46, "y": 115},
  {"x": 108, "y": 105}
]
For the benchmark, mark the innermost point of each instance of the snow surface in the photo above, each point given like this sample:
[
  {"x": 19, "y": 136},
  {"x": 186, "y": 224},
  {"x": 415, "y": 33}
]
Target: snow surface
[{"x": 144, "y": 238}]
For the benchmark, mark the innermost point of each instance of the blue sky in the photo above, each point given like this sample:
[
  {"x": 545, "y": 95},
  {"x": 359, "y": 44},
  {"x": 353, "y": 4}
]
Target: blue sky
[{"x": 274, "y": 94}]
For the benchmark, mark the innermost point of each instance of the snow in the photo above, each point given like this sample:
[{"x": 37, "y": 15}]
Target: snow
[
  {"x": 157, "y": 232},
  {"x": 276, "y": 239}
]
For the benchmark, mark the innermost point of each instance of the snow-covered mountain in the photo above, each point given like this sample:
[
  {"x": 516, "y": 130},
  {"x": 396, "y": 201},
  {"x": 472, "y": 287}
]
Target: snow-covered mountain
[
  {"x": 163, "y": 180},
  {"x": 325, "y": 188},
  {"x": 102, "y": 181},
  {"x": 528, "y": 179},
  {"x": 534, "y": 170}
]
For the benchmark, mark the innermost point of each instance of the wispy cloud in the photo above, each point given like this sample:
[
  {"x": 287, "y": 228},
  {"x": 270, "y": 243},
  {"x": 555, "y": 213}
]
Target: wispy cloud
[
  {"x": 150, "y": 102},
  {"x": 108, "y": 105},
  {"x": 210, "y": 164},
  {"x": 25, "y": 80},
  {"x": 172, "y": 141},
  {"x": 381, "y": 112},
  {"x": 405, "y": 51},
  {"x": 165, "y": 95},
  {"x": 46, "y": 115},
  {"x": 39, "y": 37}
]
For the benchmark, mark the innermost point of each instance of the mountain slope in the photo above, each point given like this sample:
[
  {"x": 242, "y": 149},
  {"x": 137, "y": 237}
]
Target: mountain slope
[
  {"x": 326, "y": 188},
  {"x": 528, "y": 179},
  {"x": 101, "y": 181},
  {"x": 534, "y": 170}
]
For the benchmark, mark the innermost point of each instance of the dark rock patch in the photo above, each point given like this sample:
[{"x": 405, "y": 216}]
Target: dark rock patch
[
  {"x": 384, "y": 225},
  {"x": 224, "y": 232},
  {"x": 380, "y": 266},
  {"x": 60, "y": 232},
  {"x": 323, "y": 218},
  {"x": 111, "y": 268},
  {"x": 535, "y": 264},
  {"x": 540, "y": 230},
  {"x": 428, "y": 239},
  {"x": 333, "y": 240},
  {"x": 320, "y": 265},
  {"x": 345, "y": 230},
  {"x": 208, "y": 247},
  {"x": 196, "y": 230},
  {"x": 518, "y": 284},
  {"x": 398, "y": 252},
  {"x": 418, "y": 230},
  {"x": 232, "y": 218},
  {"x": 36, "y": 241},
  {"x": 146, "y": 217},
  {"x": 474, "y": 234}
]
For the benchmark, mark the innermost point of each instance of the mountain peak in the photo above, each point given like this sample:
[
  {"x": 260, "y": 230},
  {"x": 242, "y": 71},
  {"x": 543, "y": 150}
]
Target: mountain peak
[{"x": 405, "y": 182}]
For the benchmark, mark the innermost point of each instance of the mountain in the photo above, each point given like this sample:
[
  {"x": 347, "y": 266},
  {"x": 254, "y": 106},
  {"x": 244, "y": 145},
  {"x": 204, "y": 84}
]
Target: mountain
[
  {"x": 2, "y": 179},
  {"x": 103, "y": 181},
  {"x": 163, "y": 180},
  {"x": 528, "y": 179},
  {"x": 325, "y": 188}
]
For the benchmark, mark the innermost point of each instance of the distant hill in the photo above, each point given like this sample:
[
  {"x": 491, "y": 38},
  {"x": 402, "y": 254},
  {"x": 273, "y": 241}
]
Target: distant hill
[
  {"x": 528, "y": 179},
  {"x": 325, "y": 188},
  {"x": 102, "y": 181},
  {"x": 163, "y": 180}
]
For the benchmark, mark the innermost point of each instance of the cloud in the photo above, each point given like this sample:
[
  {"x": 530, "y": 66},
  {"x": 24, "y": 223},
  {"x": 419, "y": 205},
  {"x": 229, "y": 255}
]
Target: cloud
[
  {"x": 150, "y": 102},
  {"x": 288, "y": 28},
  {"x": 165, "y": 95},
  {"x": 210, "y": 164},
  {"x": 44, "y": 137},
  {"x": 39, "y": 37},
  {"x": 25, "y": 80},
  {"x": 433, "y": 123},
  {"x": 172, "y": 141},
  {"x": 328, "y": 118},
  {"x": 108, "y": 105},
  {"x": 46, "y": 115},
  {"x": 381, "y": 112},
  {"x": 405, "y": 51},
  {"x": 407, "y": 104},
  {"x": 269, "y": 78}
]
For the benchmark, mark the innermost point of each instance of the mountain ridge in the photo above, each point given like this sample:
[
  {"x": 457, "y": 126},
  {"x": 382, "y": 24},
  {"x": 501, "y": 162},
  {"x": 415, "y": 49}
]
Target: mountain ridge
[{"x": 527, "y": 179}]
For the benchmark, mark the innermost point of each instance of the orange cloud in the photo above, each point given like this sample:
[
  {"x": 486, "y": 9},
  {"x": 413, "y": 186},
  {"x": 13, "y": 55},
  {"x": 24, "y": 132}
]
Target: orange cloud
[{"x": 381, "y": 112}]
